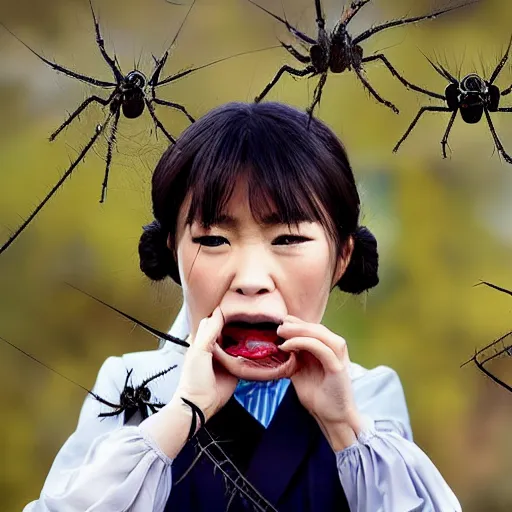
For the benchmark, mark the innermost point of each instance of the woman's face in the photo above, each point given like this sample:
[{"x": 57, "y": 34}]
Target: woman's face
[{"x": 249, "y": 268}]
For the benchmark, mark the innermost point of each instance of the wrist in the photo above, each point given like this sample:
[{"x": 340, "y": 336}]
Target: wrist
[
  {"x": 341, "y": 434},
  {"x": 169, "y": 428}
]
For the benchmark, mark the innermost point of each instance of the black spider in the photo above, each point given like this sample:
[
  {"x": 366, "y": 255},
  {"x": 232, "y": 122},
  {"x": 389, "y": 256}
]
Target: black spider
[
  {"x": 498, "y": 348},
  {"x": 472, "y": 96},
  {"x": 131, "y": 399},
  {"x": 338, "y": 51},
  {"x": 131, "y": 94}
]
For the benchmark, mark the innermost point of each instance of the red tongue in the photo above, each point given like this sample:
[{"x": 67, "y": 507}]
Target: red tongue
[{"x": 252, "y": 343}]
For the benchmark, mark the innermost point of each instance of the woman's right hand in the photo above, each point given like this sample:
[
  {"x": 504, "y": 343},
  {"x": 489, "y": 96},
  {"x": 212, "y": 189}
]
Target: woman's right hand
[{"x": 203, "y": 381}]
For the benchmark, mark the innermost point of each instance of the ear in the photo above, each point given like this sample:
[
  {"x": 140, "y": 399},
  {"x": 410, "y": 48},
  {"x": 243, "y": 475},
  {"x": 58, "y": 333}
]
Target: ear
[{"x": 343, "y": 260}]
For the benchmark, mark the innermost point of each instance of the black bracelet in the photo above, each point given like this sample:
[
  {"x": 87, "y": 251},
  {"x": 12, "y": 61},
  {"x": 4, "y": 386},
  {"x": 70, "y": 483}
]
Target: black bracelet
[{"x": 195, "y": 412}]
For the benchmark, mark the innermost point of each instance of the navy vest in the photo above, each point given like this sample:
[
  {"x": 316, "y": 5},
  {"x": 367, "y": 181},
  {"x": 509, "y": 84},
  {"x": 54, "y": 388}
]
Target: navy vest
[{"x": 290, "y": 463}]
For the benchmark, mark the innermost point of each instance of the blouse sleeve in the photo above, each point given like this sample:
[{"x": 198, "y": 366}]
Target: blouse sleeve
[
  {"x": 384, "y": 471},
  {"x": 104, "y": 465}
]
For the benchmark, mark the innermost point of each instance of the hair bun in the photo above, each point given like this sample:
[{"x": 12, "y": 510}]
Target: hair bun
[
  {"x": 156, "y": 260},
  {"x": 362, "y": 271}
]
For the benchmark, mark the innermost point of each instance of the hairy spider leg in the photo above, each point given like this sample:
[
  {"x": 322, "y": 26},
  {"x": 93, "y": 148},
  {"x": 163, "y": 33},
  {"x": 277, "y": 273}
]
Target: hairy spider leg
[
  {"x": 416, "y": 119},
  {"x": 354, "y": 8},
  {"x": 496, "y": 287},
  {"x": 94, "y": 395},
  {"x": 110, "y": 145},
  {"x": 317, "y": 96},
  {"x": 501, "y": 63},
  {"x": 118, "y": 409},
  {"x": 397, "y": 75},
  {"x": 151, "y": 330},
  {"x": 374, "y": 30},
  {"x": 360, "y": 74},
  {"x": 320, "y": 18},
  {"x": 505, "y": 349},
  {"x": 155, "y": 82},
  {"x": 80, "y": 109},
  {"x": 61, "y": 69},
  {"x": 101, "y": 45},
  {"x": 157, "y": 121},
  {"x": 161, "y": 373},
  {"x": 445, "y": 74},
  {"x": 297, "y": 33},
  {"x": 65, "y": 176},
  {"x": 174, "y": 39},
  {"x": 247, "y": 489},
  {"x": 305, "y": 59},
  {"x": 444, "y": 140},
  {"x": 309, "y": 70},
  {"x": 176, "y": 106},
  {"x": 118, "y": 75},
  {"x": 185, "y": 72},
  {"x": 497, "y": 142},
  {"x": 481, "y": 364},
  {"x": 196, "y": 459}
]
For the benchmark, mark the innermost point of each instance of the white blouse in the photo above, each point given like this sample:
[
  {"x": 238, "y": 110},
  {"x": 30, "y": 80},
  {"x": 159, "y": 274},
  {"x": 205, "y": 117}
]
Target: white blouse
[{"x": 106, "y": 466}]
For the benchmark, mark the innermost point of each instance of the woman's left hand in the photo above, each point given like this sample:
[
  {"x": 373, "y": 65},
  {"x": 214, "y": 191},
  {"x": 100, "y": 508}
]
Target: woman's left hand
[{"x": 322, "y": 380}]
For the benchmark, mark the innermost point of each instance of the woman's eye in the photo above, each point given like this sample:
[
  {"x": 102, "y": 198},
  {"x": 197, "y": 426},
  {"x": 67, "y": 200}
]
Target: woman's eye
[
  {"x": 209, "y": 241},
  {"x": 290, "y": 240}
]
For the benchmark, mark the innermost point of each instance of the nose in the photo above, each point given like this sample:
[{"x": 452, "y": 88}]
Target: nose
[{"x": 252, "y": 273}]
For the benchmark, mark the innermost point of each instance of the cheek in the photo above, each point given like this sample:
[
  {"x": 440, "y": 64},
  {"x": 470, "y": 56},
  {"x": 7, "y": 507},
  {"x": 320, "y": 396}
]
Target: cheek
[
  {"x": 308, "y": 285},
  {"x": 199, "y": 284}
]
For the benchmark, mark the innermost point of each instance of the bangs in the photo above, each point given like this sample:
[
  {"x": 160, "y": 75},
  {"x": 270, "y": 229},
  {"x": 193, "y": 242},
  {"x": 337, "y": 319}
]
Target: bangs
[{"x": 286, "y": 175}]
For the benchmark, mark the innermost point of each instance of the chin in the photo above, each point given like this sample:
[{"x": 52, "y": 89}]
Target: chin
[{"x": 257, "y": 369}]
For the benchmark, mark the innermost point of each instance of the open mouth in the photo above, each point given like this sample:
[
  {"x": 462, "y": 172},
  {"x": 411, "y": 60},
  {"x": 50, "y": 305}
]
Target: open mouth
[{"x": 254, "y": 341}]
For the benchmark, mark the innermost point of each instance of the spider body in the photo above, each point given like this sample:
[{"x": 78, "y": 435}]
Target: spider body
[
  {"x": 338, "y": 51},
  {"x": 472, "y": 96},
  {"x": 133, "y": 399},
  {"x": 130, "y": 95},
  {"x": 335, "y": 52}
]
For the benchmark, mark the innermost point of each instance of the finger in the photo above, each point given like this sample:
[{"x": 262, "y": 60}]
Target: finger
[
  {"x": 209, "y": 330},
  {"x": 323, "y": 353},
  {"x": 294, "y": 319},
  {"x": 336, "y": 343}
]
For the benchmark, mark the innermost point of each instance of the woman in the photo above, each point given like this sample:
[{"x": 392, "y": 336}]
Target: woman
[{"x": 257, "y": 218}]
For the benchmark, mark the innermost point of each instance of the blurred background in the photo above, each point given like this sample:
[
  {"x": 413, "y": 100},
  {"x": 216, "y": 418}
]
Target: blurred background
[{"x": 442, "y": 225}]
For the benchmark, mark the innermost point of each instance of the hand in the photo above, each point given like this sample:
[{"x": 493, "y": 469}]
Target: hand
[
  {"x": 203, "y": 381},
  {"x": 322, "y": 380}
]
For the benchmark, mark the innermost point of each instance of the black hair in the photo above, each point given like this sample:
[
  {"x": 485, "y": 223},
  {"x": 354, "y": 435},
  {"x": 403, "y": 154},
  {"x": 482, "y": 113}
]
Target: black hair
[{"x": 296, "y": 164}]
